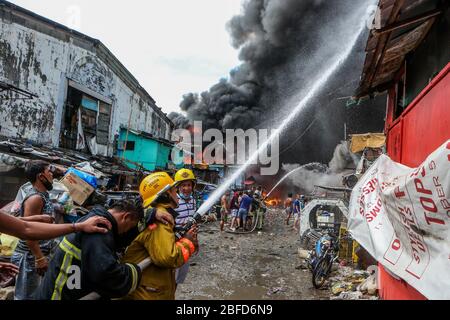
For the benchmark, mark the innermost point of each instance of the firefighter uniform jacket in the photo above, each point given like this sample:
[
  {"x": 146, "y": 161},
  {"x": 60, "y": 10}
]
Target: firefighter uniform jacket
[
  {"x": 159, "y": 243},
  {"x": 85, "y": 263}
]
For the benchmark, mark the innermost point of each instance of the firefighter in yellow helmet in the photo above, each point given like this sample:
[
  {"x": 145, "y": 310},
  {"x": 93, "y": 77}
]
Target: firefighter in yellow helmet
[
  {"x": 187, "y": 207},
  {"x": 158, "y": 242}
]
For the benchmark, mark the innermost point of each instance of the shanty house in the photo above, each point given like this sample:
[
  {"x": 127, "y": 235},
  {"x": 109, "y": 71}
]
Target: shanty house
[
  {"x": 61, "y": 88},
  {"x": 142, "y": 150}
]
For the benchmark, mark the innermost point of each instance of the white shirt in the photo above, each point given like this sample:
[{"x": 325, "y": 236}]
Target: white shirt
[{"x": 186, "y": 209}]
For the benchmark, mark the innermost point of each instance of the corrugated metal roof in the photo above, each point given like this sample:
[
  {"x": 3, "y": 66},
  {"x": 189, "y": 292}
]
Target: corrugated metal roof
[{"x": 404, "y": 25}]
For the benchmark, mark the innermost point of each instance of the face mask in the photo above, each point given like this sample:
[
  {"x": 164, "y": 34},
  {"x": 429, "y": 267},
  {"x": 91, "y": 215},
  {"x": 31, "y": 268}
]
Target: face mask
[
  {"x": 47, "y": 184},
  {"x": 184, "y": 197}
]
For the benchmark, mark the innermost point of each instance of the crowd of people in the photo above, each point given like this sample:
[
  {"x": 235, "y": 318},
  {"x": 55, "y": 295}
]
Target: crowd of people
[
  {"x": 101, "y": 252},
  {"x": 243, "y": 207}
]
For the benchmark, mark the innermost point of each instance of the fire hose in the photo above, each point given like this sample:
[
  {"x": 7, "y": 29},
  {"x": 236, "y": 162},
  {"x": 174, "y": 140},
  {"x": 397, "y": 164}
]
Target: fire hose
[
  {"x": 258, "y": 217},
  {"x": 95, "y": 296},
  {"x": 257, "y": 220}
]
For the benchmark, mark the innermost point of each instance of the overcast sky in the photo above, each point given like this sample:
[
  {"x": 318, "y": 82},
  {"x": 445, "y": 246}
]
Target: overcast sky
[{"x": 171, "y": 46}]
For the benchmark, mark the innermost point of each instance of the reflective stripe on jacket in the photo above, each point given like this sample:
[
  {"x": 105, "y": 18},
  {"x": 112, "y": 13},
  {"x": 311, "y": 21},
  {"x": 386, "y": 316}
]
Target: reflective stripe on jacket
[{"x": 85, "y": 263}]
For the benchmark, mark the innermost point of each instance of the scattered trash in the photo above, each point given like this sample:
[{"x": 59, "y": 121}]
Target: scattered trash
[
  {"x": 356, "y": 295},
  {"x": 274, "y": 254},
  {"x": 340, "y": 287},
  {"x": 360, "y": 273},
  {"x": 7, "y": 245},
  {"x": 369, "y": 285},
  {"x": 343, "y": 263},
  {"x": 7, "y": 293},
  {"x": 304, "y": 254},
  {"x": 275, "y": 290}
]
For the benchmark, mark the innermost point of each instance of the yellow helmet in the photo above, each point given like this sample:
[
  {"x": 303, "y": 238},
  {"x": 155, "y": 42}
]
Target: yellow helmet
[
  {"x": 185, "y": 175},
  {"x": 155, "y": 185}
]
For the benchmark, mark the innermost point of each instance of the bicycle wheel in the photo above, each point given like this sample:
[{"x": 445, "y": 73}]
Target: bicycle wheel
[{"x": 321, "y": 272}]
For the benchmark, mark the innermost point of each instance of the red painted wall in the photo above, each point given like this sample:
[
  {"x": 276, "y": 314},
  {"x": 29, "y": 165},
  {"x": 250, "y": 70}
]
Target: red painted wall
[
  {"x": 423, "y": 126},
  {"x": 420, "y": 130}
]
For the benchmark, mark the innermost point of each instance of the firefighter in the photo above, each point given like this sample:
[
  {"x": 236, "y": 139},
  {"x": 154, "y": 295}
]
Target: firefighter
[
  {"x": 158, "y": 242},
  {"x": 260, "y": 208},
  {"x": 85, "y": 263},
  {"x": 186, "y": 181}
]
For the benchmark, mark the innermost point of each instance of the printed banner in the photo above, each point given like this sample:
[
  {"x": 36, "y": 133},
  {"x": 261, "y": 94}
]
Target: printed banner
[{"x": 401, "y": 216}]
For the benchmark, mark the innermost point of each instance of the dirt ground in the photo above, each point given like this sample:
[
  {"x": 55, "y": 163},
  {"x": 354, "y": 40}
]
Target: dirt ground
[{"x": 257, "y": 266}]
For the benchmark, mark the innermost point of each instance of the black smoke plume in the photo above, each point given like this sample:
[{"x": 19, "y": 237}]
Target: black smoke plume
[{"x": 282, "y": 45}]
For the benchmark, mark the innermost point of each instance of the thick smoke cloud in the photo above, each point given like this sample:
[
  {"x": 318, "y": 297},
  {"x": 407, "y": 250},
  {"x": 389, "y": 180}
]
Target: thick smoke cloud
[
  {"x": 316, "y": 174},
  {"x": 269, "y": 35},
  {"x": 179, "y": 120},
  {"x": 283, "y": 44}
]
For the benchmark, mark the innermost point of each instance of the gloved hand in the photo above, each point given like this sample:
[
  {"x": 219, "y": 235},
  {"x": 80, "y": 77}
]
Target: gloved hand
[{"x": 191, "y": 235}]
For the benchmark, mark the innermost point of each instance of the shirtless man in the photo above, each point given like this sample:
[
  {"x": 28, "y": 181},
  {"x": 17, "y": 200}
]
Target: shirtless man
[
  {"x": 288, "y": 207},
  {"x": 225, "y": 209}
]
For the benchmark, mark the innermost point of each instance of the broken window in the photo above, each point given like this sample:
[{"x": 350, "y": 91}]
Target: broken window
[
  {"x": 96, "y": 118},
  {"x": 104, "y": 117},
  {"x": 129, "y": 146}
]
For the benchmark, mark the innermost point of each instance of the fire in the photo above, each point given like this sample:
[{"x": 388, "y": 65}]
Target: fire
[{"x": 273, "y": 202}]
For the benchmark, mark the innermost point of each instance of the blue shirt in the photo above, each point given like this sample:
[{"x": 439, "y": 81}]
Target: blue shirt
[
  {"x": 246, "y": 202},
  {"x": 297, "y": 206}
]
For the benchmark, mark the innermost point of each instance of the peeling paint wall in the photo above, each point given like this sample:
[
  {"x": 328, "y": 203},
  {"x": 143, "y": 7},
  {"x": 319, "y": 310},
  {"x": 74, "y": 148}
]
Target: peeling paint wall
[{"x": 43, "y": 64}]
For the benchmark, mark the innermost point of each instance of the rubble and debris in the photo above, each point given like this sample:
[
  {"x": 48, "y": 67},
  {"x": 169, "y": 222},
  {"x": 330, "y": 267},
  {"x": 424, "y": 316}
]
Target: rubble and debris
[
  {"x": 250, "y": 270},
  {"x": 7, "y": 293},
  {"x": 369, "y": 285},
  {"x": 354, "y": 295},
  {"x": 273, "y": 291},
  {"x": 303, "y": 254}
]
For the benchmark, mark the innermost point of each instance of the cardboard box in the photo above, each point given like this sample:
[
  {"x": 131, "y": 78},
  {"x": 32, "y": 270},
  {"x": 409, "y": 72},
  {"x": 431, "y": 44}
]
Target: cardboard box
[{"x": 79, "y": 189}]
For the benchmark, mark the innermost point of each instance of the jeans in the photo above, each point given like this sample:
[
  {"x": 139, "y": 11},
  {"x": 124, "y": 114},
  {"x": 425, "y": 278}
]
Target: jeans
[
  {"x": 243, "y": 213},
  {"x": 27, "y": 280}
]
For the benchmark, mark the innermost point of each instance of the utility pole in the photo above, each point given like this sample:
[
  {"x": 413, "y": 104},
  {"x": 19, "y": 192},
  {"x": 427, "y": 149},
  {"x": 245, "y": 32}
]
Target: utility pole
[{"x": 345, "y": 131}]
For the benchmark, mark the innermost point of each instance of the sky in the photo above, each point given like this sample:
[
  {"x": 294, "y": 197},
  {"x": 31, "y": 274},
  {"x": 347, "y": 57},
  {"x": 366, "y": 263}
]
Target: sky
[{"x": 172, "y": 47}]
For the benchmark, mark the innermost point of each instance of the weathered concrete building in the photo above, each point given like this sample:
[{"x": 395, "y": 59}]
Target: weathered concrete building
[{"x": 67, "y": 71}]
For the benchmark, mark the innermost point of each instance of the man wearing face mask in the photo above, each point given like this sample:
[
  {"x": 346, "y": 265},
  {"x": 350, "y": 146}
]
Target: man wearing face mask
[
  {"x": 31, "y": 257},
  {"x": 187, "y": 207}
]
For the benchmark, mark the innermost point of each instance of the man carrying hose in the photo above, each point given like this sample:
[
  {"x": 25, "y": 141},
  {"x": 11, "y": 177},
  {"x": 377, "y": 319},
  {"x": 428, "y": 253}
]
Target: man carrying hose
[
  {"x": 158, "y": 242},
  {"x": 85, "y": 263}
]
